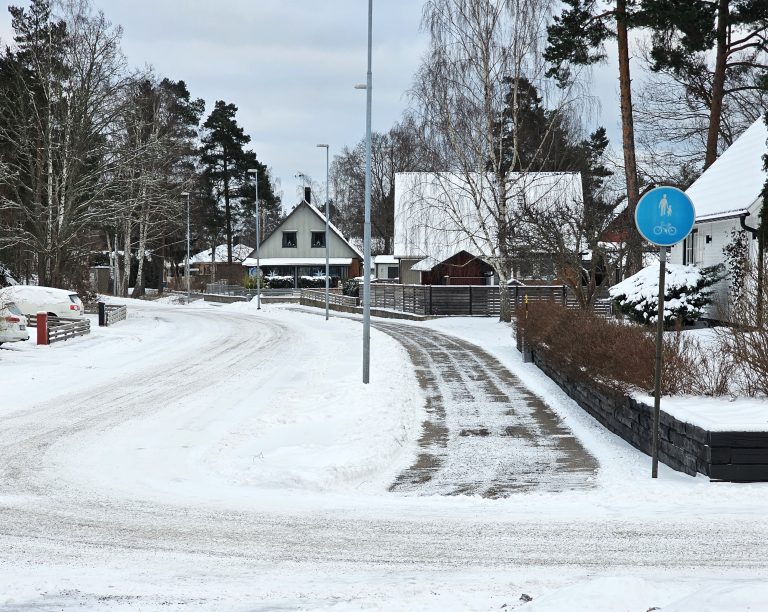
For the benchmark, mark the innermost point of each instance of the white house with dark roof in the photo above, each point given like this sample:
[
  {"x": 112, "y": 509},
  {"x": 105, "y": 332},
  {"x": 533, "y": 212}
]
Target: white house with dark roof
[
  {"x": 438, "y": 224},
  {"x": 727, "y": 198},
  {"x": 297, "y": 248}
]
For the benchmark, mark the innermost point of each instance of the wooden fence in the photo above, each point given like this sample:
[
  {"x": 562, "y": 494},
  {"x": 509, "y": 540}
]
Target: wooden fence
[
  {"x": 317, "y": 296},
  {"x": 472, "y": 300},
  {"x": 109, "y": 314}
]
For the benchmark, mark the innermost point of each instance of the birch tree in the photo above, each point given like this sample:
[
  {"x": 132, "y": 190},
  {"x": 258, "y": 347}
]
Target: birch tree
[
  {"x": 62, "y": 83},
  {"x": 156, "y": 149},
  {"x": 481, "y": 54}
]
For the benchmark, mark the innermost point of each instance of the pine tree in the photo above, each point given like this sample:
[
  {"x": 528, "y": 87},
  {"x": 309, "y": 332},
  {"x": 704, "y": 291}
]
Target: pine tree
[
  {"x": 225, "y": 161},
  {"x": 577, "y": 38},
  {"x": 685, "y": 30}
]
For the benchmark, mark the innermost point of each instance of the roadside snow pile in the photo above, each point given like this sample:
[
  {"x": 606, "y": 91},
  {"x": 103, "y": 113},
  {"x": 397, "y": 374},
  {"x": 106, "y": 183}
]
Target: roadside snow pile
[{"x": 687, "y": 290}]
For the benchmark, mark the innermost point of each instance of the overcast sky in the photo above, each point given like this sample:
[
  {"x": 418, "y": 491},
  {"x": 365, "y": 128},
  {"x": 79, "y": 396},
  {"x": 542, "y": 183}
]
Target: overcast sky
[{"x": 290, "y": 67}]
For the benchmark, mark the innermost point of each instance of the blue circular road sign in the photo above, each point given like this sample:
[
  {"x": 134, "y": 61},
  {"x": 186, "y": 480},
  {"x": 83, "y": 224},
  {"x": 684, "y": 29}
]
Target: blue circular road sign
[{"x": 665, "y": 216}]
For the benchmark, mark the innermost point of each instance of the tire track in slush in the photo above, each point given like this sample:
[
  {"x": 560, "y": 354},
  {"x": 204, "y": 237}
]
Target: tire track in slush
[{"x": 26, "y": 436}]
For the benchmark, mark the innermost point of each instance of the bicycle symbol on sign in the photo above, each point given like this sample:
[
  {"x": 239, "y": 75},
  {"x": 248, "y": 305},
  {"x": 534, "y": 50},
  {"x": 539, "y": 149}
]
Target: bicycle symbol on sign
[{"x": 665, "y": 228}]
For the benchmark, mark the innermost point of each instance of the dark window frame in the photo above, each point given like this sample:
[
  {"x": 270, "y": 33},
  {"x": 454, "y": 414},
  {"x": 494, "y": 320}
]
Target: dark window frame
[
  {"x": 313, "y": 235},
  {"x": 286, "y": 242}
]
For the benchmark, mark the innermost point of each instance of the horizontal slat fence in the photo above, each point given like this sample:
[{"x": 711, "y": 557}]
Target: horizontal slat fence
[
  {"x": 479, "y": 300},
  {"x": 109, "y": 314},
  {"x": 318, "y": 296},
  {"x": 64, "y": 329}
]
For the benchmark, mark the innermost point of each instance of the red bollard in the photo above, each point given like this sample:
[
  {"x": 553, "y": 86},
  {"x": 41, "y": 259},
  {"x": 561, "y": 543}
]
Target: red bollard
[{"x": 42, "y": 328}]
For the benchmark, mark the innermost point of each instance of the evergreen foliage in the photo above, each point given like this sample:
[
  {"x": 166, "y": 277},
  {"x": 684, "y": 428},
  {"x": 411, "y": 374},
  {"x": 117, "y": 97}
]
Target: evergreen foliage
[{"x": 688, "y": 290}]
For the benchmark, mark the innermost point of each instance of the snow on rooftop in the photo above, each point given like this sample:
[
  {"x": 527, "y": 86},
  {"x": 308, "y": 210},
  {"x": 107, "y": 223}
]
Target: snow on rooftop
[
  {"x": 385, "y": 259},
  {"x": 733, "y": 183},
  {"x": 239, "y": 253},
  {"x": 436, "y": 215}
]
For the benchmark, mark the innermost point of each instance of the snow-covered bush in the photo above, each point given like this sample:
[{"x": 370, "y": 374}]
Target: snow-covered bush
[
  {"x": 312, "y": 282},
  {"x": 279, "y": 282},
  {"x": 687, "y": 291}
]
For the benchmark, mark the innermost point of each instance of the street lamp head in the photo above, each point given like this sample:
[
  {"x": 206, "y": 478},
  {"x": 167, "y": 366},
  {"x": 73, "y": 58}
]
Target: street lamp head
[
  {"x": 322, "y": 146},
  {"x": 253, "y": 170},
  {"x": 361, "y": 86},
  {"x": 185, "y": 193}
]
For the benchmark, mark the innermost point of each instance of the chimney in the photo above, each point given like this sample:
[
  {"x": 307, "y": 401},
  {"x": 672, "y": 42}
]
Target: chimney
[{"x": 308, "y": 195}]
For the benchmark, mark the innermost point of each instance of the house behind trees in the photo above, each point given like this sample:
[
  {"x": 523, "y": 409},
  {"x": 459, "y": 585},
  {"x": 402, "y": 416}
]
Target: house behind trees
[{"x": 442, "y": 236}]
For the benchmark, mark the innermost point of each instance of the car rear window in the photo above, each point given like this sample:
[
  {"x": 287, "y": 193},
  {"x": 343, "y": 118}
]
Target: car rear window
[
  {"x": 14, "y": 309},
  {"x": 74, "y": 298}
]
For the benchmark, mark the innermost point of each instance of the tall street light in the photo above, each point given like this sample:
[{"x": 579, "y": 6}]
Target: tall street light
[
  {"x": 255, "y": 172},
  {"x": 367, "y": 226},
  {"x": 327, "y": 223},
  {"x": 186, "y": 193}
]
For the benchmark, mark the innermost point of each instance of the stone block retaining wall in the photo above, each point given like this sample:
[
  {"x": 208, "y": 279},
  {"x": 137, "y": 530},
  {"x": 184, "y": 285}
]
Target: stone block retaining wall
[{"x": 735, "y": 456}]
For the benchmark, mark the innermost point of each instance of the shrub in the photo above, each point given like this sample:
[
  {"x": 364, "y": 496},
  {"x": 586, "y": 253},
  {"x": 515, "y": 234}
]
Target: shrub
[
  {"x": 279, "y": 282},
  {"x": 747, "y": 340},
  {"x": 351, "y": 287},
  {"x": 622, "y": 356},
  {"x": 688, "y": 290},
  {"x": 312, "y": 282}
]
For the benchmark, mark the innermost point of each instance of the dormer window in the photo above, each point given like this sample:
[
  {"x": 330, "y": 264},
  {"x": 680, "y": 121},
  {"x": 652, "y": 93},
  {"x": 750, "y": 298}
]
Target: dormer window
[{"x": 289, "y": 240}]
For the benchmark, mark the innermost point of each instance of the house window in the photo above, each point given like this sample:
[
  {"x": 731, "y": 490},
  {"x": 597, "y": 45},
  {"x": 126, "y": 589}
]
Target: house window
[
  {"x": 318, "y": 240},
  {"x": 689, "y": 250},
  {"x": 289, "y": 240},
  {"x": 393, "y": 272}
]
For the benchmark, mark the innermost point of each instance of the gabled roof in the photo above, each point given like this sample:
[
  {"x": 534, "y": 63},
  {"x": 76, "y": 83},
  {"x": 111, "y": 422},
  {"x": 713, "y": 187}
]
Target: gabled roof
[
  {"x": 731, "y": 185},
  {"x": 251, "y": 257},
  {"x": 239, "y": 253}
]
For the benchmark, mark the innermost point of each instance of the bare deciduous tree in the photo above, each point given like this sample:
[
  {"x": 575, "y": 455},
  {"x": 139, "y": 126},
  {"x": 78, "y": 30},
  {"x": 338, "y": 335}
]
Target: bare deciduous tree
[
  {"x": 482, "y": 55},
  {"x": 394, "y": 151},
  {"x": 59, "y": 98}
]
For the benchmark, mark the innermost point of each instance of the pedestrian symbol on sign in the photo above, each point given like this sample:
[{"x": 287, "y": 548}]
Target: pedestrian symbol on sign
[{"x": 664, "y": 216}]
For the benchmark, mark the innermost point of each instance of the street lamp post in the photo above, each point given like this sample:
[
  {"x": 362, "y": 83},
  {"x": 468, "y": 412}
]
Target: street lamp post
[
  {"x": 186, "y": 193},
  {"x": 367, "y": 225},
  {"x": 255, "y": 172},
  {"x": 327, "y": 223}
]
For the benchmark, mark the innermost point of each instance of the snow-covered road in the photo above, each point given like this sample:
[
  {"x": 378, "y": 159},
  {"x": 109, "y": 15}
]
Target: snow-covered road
[{"x": 213, "y": 457}]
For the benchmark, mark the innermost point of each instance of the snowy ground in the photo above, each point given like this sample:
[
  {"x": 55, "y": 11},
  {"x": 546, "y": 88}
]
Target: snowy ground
[{"x": 218, "y": 458}]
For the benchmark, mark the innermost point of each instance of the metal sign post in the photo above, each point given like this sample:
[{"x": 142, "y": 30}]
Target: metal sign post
[{"x": 664, "y": 216}]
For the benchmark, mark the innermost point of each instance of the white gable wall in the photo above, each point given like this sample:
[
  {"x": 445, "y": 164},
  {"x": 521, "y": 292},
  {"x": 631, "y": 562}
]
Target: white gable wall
[
  {"x": 727, "y": 189},
  {"x": 303, "y": 220},
  {"x": 426, "y": 225}
]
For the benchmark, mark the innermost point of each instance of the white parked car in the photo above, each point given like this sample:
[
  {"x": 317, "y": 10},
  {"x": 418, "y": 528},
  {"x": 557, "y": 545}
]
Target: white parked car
[
  {"x": 31, "y": 299},
  {"x": 13, "y": 323}
]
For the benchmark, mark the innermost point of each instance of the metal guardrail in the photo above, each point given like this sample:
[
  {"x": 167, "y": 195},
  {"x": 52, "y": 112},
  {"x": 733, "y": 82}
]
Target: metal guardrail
[{"x": 337, "y": 299}]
